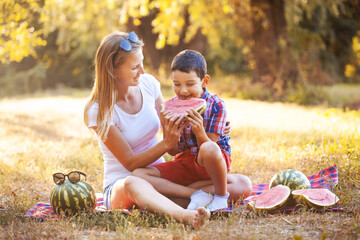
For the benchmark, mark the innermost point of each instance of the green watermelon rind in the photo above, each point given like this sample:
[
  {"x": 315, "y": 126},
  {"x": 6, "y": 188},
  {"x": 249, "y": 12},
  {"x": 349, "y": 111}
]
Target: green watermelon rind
[
  {"x": 71, "y": 199},
  {"x": 301, "y": 198},
  {"x": 288, "y": 178},
  {"x": 276, "y": 207}
]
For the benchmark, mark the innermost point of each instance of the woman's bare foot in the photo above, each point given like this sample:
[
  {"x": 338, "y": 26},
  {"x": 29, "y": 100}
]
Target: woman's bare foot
[{"x": 201, "y": 217}]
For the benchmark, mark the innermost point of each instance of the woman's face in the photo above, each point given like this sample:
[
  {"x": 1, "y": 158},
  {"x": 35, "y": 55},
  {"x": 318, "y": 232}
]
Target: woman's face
[{"x": 129, "y": 72}]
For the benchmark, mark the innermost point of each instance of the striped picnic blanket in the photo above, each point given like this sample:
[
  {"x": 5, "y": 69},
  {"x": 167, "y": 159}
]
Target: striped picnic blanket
[{"x": 327, "y": 178}]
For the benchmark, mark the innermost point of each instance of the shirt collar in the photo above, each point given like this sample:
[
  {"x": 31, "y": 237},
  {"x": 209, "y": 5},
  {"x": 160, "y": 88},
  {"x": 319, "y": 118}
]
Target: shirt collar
[{"x": 205, "y": 94}]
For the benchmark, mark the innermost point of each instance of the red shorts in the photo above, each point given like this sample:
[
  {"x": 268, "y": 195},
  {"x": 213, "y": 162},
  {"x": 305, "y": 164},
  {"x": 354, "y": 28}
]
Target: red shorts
[{"x": 184, "y": 169}]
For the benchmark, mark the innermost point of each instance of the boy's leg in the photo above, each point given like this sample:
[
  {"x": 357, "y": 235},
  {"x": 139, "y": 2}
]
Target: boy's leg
[
  {"x": 239, "y": 186},
  {"x": 164, "y": 186},
  {"x": 210, "y": 157},
  {"x": 179, "y": 176}
]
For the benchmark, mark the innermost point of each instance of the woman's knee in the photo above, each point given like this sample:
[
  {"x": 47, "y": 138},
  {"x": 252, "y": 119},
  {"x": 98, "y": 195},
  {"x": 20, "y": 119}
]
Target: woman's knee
[
  {"x": 247, "y": 185},
  {"x": 242, "y": 185},
  {"x": 125, "y": 192},
  {"x": 133, "y": 184}
]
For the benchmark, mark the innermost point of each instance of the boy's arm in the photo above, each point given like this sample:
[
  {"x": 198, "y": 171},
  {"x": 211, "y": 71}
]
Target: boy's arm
[
  {"x": 196, "y": 122},
  {"x": 212, "y": 132},
  {"x": 213, "y": 136}
]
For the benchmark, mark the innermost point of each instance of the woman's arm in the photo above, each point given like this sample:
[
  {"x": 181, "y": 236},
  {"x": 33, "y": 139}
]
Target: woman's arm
[
  {"x": 165, "y": 119},
  {"x": 120, "y": 148},
  {"x": 158, "y": 104},
  {"x": 162, "y": 115}
]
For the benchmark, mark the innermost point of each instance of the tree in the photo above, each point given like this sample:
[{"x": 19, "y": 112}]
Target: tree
[
  {"x": 336, "y": 24},
  {"x": 238, "y": 22},
  {"x": 156, "y": 55},
  {"x": 20, "y": 33},
  {"x": 282, "y": 43},
  {"x": 275, "y": 66}
]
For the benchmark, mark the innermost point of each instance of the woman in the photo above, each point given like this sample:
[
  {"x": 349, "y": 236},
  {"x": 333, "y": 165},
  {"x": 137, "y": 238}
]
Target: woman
[{"x": 124, "y": 111}]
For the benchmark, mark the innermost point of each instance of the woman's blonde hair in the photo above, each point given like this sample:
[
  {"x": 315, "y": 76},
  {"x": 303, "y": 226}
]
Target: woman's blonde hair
[{"x": 109, "y": 56}]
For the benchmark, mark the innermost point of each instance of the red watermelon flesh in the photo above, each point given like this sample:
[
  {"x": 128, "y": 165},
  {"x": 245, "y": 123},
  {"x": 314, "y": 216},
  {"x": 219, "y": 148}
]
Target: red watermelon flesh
[
  {"x": 317, "y": 197},
  {"x": 273, "y": 199},
  {"x": 178, "y": 106}
]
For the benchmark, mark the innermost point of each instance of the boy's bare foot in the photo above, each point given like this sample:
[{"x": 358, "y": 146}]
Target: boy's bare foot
[{"x": 201, "y": 217}]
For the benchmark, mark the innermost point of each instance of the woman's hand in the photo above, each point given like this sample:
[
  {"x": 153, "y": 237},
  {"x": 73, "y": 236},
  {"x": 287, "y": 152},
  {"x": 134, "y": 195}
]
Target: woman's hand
[
  {"x": 162, "y": 117},
  {"x": 172, "y": 127}
]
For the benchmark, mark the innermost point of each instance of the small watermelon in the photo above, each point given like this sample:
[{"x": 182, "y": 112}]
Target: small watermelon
[
  {"x": 292, "y": 178},
  {"x": 69, "y": 199},
  {"x": 178, "y": 106},
  {"x": 271, "y": 200},
  {"x": 315, "y": 198}
]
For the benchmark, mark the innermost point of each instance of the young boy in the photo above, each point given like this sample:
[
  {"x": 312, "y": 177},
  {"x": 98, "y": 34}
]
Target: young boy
[{"x": 203, "y": 151}]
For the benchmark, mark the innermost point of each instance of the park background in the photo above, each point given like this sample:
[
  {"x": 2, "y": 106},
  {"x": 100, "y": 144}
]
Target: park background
[
  {"x": 266, "y": 50},
  {"x": 289, "y": 72}
]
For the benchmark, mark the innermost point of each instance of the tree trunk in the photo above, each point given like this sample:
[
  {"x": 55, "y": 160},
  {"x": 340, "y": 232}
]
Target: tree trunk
[
  {"x": 275, "y": 67},
  {"x": 155, "y": 58}
]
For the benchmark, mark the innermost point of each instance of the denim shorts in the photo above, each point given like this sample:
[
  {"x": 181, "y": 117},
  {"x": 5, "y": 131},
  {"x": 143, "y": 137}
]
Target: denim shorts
[{"x": 107, "y": 194}]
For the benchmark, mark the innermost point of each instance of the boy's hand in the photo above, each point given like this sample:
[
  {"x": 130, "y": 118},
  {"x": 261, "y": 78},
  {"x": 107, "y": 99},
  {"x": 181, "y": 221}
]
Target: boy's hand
[
  {"x": 196, "y": 122},
  {"x": 228, "y": 128}
]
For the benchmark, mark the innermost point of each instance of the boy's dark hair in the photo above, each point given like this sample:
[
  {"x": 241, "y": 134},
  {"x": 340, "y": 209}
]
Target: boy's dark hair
[{"x": 190, "y": 60}]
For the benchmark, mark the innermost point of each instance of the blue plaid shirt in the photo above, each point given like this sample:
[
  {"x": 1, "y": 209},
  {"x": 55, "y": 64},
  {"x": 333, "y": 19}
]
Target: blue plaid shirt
[{"x": 214, "y": 122}]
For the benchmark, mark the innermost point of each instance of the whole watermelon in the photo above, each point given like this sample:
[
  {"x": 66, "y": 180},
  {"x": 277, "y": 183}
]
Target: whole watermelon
[
  {"x": 69, "y": 199},
  {"x": 294, "y": 179}
]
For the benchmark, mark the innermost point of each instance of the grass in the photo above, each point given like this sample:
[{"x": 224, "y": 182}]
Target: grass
[
  {"x": 342, "y": 94},
  {"x": 40, "y": 135}
]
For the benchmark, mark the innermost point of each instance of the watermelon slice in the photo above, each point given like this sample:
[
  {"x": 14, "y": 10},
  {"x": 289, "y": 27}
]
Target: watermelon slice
[
  {"x": 271, "y": 200},
  {"x": 178, "y": 106},
  {"x": 315, "y": 198}
]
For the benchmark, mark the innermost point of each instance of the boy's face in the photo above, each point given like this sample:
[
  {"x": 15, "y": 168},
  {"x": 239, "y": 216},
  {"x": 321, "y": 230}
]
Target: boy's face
[{"x": 188, "y": 85}]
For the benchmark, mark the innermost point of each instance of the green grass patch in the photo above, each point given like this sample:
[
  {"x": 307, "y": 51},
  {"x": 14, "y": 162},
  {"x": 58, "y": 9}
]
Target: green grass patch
[{"x": 43, "y": 135}]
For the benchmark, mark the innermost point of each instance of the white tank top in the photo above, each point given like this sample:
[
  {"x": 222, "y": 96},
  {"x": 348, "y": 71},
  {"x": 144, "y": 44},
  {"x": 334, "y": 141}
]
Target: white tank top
[{"x": 139, "y": 129}]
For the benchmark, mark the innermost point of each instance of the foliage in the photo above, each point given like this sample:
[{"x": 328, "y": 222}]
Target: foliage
[
  {"x": 14, "y": 82},
  {"x": 214, "y": 19},
  {"x": 72, "y": 31},
  {"x": 306, "y": 95},
  {"x": 352, "y": 68},
  {"x": 20, "y": 33},
  {"x": 324, "y": 32},
  {"x": 62, "y": 37}
]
